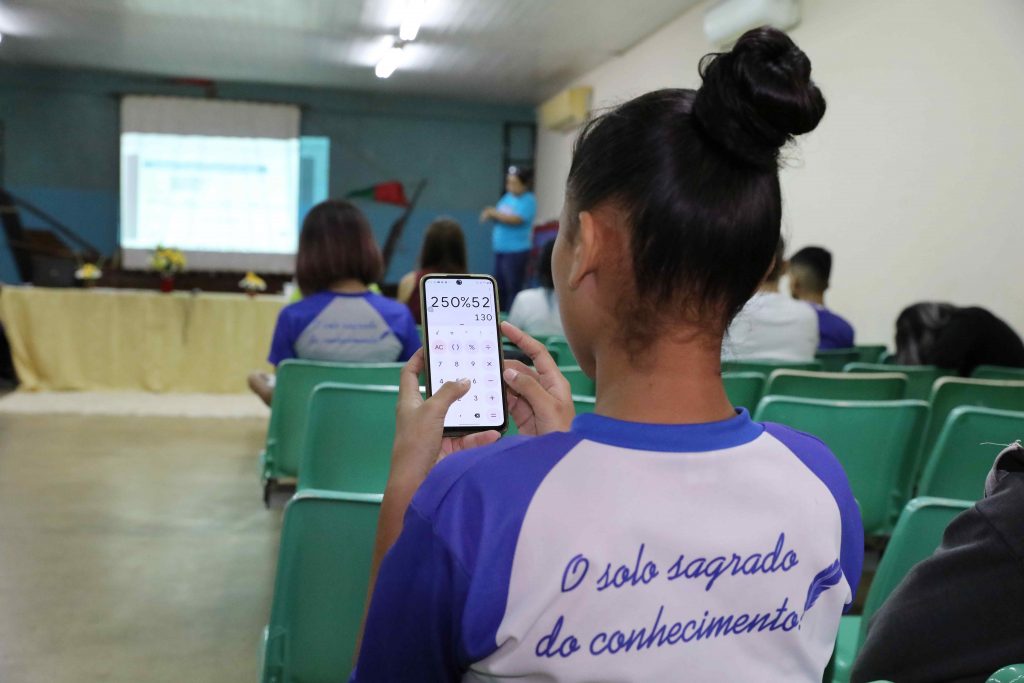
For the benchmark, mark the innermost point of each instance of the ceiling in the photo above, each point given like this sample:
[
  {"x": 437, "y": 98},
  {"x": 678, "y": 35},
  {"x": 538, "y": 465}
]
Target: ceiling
[{"x": 495, "y": 50}]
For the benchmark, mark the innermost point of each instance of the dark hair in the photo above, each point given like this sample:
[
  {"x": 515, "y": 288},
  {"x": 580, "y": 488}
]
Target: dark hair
[
  {"x": 696, "y": 175},
  {"x": 816, "y": 262},
  {"x": 336, "y": 243},
  {"x": 525, "y": 175},
  {"x": 444, "y": 247},
  {"x": 544, "y": 277},
  {"x": 917, "y": 328}
]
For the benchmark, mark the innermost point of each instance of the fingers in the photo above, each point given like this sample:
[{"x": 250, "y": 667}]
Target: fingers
[
  {"x": 520, "y": 366},
  {"x": 478, "y": 439},
  {"x": 409, "y": 377},
  {"x": 537, "y": 352},
  {"x": 527, "y": 387},
  {"x": 449, "y": 393}
]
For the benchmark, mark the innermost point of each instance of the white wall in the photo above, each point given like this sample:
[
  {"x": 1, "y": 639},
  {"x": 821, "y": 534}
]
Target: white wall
[{"x": 914, "y": 179}]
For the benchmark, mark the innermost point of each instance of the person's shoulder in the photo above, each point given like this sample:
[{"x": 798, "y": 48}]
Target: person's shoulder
[
  {"x": 817, "y": 457},
  {"x": 306, "y": 306},
  {"x": 491, "y": 476},
  {"x": 387, "y": 306}
]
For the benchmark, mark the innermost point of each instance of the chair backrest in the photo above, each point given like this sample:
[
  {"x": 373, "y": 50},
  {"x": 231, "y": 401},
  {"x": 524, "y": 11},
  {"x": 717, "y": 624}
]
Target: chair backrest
[
  {"x": 997, "y": 372},
  {"x": 583, "y": 404},
  {"x": 875, "y": 441},
  {"x": 349, "y": 434},
  {"x": 744, "y": 388},
  {"x": 579, "y": 383},
  {"x": 323, "y": 572},
  {"x": 917, "y": 534},
  {"x": 953, "y": 392},
  {"x": 1014, "y": 673},
  {"x": 890, "y": 386},
  {"x": 963, "y": 453},
  {"x": 919, "y": 377},
  {"x": 559, "y": 348},
  {"x": 767, "y": 367},
  {"x": 289, "y": 407},
  {"x": 834, "y": 360},
  {"x": 870, "y": 353}
]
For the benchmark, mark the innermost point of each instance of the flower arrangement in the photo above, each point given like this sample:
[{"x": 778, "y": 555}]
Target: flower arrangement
[
  {"x": 167, "y": 261},
  {"x": 88, "y": 272},
  {"x": 252, "y": 283}
]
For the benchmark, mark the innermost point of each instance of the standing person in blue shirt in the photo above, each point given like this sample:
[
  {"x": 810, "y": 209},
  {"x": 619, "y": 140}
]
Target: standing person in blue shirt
[
  {"x": 809, "y": 272},
  {"x": 339, "y": 319},
  {"x": 666, "y": 536},
  {"x": 513, "y": 226}
]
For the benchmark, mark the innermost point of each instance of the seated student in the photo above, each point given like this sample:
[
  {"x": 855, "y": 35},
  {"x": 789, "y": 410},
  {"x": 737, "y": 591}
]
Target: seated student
[
  {"x": 772, "y": 326},
  {"x": 339, "y": 319},
  {"x": 959, "y": 615},
  {"x": 443, "y": 251},
  {"x": 809, "y": 272},
  {"x": 955, "y": 338},
  {"x": 666, "y": 536},
  {"x": 535, "y": 311}
]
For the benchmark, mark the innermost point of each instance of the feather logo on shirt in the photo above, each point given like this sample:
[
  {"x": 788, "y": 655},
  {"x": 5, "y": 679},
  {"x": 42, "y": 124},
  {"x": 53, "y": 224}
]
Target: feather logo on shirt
[{"x": 823, "y": 580}]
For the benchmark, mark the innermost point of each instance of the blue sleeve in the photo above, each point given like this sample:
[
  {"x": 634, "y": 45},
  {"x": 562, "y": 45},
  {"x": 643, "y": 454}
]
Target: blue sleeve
[
  {"x": 413, "y": 625},
  {"x": 409, "y": 336},
  {"x": 528, "y": 209},
  {"x": 282, "y": 347},
  {"x": 817, "y": 457}
]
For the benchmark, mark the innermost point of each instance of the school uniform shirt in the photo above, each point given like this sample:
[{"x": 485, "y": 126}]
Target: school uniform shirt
[
  {"x": 772, "y": 326},
  {"x": 621, "y": 551},
  {"x": 834, "y": 331},
  {"x": 535, "y": 311},
  {"x": 358, "y": 328},
  {"x": 508, "y": 239}
]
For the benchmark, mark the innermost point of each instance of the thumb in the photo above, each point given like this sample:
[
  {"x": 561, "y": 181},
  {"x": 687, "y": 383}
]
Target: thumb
[
  {"x": 449, "y": 393},
  {"x": 526, "y": 386}
]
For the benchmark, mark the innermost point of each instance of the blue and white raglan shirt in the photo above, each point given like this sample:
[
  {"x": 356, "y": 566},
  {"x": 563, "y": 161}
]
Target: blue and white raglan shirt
[
  {"x": 356, "y": 328},
  {"x": 621, "y": 551}
]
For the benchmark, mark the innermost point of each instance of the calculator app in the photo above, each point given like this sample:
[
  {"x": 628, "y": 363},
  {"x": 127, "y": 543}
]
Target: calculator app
[{"x": 461, "y": 336}]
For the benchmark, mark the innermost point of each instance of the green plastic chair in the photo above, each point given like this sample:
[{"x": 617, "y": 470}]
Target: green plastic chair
[
  {"x": 875, "y": 441},
  {"x": 560, "y": 350},
  {"x": 744, "y": 388},
  {"x": 916, "y": 536},
  {"x": 349, "y": 434},
  {"x": 963, "y": 453},
  {"x": 997, "y": 372},
  {"x": 953, "y": 392},
  {"x": 289, "y": 408},
  {"x": 323, "y": 572},
  {"x": 870, "y": 353},
  {"x": 584, "y": 404},
  {"x": 834, "y": 360},
  {"x": 1008, "y": 674},
  {"x": 889, "y": 386},
  {"x": 767, "y": 367},
  {"x": 920, "y": 378},
  {"x": 579, "y": 383}
]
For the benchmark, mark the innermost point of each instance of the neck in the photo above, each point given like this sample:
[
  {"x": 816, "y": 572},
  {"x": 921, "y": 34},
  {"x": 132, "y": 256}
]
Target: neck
[
  {"x": 349, "y": 287},
  {"x": 770, "y": 286},
  {"x": 677, "y": 382},
  {"x": 814, "y": 298}
]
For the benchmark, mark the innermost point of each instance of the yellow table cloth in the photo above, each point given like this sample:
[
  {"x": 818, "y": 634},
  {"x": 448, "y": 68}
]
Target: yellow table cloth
[{"x": 88, "y": 339}]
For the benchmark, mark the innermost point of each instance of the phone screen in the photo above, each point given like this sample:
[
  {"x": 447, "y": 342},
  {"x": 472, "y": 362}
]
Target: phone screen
[{"x": 461, "y": 340}]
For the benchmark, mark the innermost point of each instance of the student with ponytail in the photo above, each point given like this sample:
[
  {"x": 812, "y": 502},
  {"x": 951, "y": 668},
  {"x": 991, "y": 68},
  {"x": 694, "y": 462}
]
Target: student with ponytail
[{"x": 666, "y": 536}]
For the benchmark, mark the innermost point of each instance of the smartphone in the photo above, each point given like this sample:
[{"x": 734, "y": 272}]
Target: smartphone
[{"x": 461, "y": 339}]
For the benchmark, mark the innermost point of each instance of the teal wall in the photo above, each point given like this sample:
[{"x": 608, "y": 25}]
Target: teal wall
[{"x": 62, "y": 128}]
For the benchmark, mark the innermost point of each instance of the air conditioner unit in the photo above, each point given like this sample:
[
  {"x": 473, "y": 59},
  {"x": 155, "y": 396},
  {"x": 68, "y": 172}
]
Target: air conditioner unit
[
  {"x": 727, "y": 20},
  {"x": 566, "y": 110}
]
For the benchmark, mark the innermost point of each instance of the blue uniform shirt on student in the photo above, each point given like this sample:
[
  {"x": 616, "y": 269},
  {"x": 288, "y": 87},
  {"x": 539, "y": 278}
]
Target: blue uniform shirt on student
[
  {"x": 621, "y": 551},
  {"x": 834, "y": 332},
  {"x": 330, "y": 326},
  {"x": 514, "y": 238}
]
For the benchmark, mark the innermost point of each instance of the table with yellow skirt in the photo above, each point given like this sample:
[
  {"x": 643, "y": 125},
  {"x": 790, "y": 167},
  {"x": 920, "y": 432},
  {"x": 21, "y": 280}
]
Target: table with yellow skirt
[{"x": 117, "y": 339}]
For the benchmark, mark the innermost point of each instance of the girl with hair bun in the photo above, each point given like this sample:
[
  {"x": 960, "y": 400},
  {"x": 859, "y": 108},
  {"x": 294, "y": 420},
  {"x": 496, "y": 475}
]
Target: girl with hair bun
[{"x": 666, "y": 536}]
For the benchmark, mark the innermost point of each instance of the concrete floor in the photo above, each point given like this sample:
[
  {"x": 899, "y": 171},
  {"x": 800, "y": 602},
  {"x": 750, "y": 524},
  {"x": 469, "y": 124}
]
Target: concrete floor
[{"x": 132, "y": 549}]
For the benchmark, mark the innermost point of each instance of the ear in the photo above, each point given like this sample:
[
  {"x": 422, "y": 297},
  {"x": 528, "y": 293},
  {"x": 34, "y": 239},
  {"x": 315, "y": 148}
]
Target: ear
[{"x": 586, "y": 249}]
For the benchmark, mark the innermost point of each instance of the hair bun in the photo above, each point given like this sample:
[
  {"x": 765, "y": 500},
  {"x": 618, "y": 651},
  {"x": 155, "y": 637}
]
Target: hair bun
[{"x": 757, "y": 96}]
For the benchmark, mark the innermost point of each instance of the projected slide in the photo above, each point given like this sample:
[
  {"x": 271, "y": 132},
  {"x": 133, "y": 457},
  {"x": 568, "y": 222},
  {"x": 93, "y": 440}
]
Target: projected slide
[{"x": 208, "y": 193}]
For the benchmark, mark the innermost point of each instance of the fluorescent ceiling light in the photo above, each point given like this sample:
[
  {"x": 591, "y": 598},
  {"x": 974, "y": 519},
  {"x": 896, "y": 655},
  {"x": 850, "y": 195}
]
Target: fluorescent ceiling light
[
  {"x": 389, "y": 62},
  {"x": 411, "y": 19}
]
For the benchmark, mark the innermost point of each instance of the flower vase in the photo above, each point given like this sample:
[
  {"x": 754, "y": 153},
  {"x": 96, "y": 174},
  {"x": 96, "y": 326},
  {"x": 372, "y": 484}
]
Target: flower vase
[{"x": 167, "y": 283}]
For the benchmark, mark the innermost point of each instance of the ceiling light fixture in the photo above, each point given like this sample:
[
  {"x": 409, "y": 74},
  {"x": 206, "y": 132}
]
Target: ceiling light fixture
[
  {"x": 389, "y": 62},
  {"x": 411, "y": 20}
]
